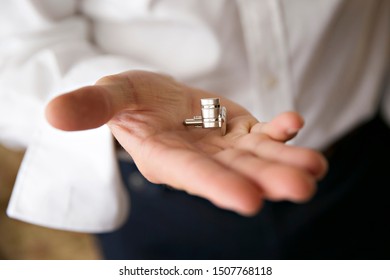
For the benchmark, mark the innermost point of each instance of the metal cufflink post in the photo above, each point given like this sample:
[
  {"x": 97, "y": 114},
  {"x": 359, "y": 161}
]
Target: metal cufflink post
[{"x": 213, "y": 115}]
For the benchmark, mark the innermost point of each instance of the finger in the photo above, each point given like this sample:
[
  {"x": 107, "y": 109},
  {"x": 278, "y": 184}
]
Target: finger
[
  {"x": 84, "y": 108},
  {"x": 282, "y": 128},
  {"x": 303, "y": 158},
  {"x": 204, "y": 177},
  {"x": 199, "y": 175},
  {"x": 93, "y": 106},
  {"x": 277, "y": 181}
]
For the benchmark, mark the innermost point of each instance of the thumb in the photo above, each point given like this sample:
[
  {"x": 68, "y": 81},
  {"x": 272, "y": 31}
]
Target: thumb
[
  {"x": 91, "y": 106},
  {"x": 81, "y": 109}
]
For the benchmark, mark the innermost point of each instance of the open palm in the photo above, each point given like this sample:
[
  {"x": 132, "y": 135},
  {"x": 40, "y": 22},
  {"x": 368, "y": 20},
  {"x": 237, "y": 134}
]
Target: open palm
[{"x": 237, "y": 171}]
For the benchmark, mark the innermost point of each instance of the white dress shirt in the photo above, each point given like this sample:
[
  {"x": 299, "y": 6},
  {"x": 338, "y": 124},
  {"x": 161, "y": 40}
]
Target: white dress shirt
[{"x": 326, "y": 59}]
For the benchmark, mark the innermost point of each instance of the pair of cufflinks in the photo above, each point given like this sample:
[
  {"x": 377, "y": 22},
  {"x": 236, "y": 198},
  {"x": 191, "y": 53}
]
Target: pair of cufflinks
[{"x": 213, "y": 115}]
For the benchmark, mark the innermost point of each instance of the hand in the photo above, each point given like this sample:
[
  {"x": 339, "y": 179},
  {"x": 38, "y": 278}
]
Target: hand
[{"x": 145, "y": 112}]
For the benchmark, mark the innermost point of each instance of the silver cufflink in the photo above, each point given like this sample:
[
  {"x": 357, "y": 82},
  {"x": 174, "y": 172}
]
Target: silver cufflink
[{"x": 213, "y": 115}]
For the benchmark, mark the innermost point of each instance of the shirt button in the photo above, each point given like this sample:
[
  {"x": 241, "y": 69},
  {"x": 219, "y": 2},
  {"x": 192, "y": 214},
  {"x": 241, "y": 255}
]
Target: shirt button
[
  {"x": 271, "y": 82},
  {"x": 136, "y": 181}
]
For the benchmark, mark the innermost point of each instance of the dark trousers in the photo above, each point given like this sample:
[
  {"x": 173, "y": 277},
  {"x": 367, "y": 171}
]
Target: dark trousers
[{"x": 349, "y": 217}]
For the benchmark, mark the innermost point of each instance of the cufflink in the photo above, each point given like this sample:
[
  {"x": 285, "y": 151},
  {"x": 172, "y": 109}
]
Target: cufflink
[{"x": 212, "y": 115}]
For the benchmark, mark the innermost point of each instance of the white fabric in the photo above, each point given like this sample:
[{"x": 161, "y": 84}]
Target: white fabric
[{"x": 325, "y": 59}]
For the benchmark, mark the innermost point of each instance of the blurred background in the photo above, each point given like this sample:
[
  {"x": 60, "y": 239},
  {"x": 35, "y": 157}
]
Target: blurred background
[{"x": 19, "y": 240}]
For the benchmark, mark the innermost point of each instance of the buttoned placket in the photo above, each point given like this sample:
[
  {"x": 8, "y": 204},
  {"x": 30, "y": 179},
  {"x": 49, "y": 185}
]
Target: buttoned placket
[{"x": 266, "y": 40}]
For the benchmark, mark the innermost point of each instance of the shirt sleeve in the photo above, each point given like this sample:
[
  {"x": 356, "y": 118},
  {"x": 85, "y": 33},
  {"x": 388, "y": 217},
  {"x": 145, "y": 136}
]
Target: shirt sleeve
[
  {"x": 68, "y": 181},
  {"x": 45, "y": 49}
]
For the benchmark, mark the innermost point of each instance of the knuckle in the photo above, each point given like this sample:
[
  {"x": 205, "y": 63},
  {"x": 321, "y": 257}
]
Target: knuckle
[{"x": 108, "y": 80}]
